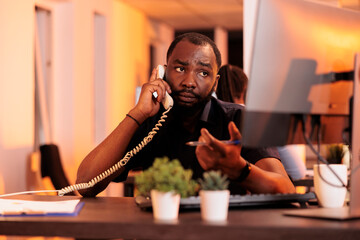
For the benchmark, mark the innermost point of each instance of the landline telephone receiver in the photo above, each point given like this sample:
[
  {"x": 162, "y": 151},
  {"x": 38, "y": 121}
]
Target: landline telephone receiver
[{"x": 167, "y": 103}]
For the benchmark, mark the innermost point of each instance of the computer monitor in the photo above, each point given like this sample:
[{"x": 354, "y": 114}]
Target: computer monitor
[
  {"x": 302, "y": 64},
  {"x": 298, "y": 46}
]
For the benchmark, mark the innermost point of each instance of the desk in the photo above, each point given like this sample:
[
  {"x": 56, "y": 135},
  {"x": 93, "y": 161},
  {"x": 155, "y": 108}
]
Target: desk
[{"x": 113, "y": 217}]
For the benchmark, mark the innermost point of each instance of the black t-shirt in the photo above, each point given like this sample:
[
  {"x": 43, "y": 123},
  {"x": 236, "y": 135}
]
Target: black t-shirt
[{"x": 171, "y": 137}]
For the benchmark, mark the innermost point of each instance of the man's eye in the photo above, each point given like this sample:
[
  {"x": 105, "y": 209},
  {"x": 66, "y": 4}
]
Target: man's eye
[
  {"x": 179, "y": 69},
  {"x": 204, "y": 74}
]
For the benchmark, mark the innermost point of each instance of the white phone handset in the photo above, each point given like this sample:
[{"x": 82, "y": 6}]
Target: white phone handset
[{"x": 167, "y": 101}]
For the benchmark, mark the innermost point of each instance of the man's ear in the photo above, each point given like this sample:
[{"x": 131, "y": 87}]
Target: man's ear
[
  {"x": 216, "y": 82},
  {"x": 165, "y": 66}
]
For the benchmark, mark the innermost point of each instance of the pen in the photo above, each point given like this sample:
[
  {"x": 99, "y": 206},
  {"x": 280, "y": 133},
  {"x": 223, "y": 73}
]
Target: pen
[{"x": 196, "y": 143}]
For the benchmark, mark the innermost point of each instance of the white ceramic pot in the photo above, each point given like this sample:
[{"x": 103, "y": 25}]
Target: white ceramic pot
[
  {"x": 214, "y": 205},
  {"x": 327, "y": 186},
  {"x": 165, "y": 205}
]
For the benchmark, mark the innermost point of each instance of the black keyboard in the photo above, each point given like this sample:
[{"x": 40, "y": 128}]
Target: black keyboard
[{"x": 241, "y": 200}]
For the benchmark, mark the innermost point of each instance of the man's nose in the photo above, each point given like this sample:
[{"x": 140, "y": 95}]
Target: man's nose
[{"x": 189, "y": 80}]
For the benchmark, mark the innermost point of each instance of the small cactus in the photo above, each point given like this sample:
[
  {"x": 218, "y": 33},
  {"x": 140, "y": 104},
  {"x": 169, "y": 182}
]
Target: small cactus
[
  {"x": 335, "y": 153},
  {"x": 213, "y": 180}
]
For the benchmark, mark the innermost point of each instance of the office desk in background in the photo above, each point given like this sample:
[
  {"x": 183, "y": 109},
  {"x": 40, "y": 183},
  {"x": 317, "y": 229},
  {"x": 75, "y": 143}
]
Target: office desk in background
[{"x": 117, "y": 217}]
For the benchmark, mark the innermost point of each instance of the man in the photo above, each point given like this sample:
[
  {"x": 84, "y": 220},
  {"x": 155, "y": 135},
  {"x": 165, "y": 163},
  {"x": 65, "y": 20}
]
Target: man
[{"x": 193, "y": 61}]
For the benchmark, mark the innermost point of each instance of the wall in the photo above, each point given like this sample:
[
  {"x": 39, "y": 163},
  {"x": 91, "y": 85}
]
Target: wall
[
  {"x": 249, "y": 27},
  {"x": 72, "y": 103},
  {"x": 16, "y": 92}
]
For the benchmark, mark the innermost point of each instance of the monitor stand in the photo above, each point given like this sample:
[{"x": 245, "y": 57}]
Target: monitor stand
[{"x": 353, "y": 211}]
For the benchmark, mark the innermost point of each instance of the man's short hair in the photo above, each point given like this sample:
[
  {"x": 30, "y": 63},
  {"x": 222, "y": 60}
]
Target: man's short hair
[{"x": 197, "y": 39}]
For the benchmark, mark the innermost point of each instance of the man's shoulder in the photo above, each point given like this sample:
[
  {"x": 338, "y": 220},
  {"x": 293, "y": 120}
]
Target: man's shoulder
[
  {"x": 226, "y": 106},
  {"x": 224, "y": 111}
]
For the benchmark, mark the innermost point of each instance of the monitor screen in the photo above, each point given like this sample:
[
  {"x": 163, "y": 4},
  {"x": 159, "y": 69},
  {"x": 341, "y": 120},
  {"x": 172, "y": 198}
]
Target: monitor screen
[{"x": 301, "y": 69}]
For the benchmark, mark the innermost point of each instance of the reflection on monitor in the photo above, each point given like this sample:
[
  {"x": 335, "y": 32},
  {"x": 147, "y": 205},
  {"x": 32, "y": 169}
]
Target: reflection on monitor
[{"x": 302, "y": 63}]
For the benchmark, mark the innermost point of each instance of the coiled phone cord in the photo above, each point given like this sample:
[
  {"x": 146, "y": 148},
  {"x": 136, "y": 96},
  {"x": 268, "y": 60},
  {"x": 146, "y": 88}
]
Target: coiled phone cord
[
  {"x": 118, "y": 165},
  {"x": 108, "y": 172}
]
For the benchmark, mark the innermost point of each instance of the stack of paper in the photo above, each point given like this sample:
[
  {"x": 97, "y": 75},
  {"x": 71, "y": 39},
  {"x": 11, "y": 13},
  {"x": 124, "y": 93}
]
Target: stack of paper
[{"x": 11, "y": 207}]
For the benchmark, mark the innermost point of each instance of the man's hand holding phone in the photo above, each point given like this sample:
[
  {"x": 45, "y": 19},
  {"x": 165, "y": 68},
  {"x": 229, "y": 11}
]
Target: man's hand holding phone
[{"x": 152, "y": 94}]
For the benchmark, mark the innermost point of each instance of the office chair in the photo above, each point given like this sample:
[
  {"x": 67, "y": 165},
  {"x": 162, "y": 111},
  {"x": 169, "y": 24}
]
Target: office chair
[{"x": 51, "y": 166}]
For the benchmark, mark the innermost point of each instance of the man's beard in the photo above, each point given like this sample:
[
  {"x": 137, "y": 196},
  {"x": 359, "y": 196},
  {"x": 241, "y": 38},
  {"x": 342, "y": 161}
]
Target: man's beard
[{"x": 185, "y": 110}]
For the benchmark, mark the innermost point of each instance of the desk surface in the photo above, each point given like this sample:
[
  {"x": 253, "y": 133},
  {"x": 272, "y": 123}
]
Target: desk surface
[{"x": 112, "y": 217}]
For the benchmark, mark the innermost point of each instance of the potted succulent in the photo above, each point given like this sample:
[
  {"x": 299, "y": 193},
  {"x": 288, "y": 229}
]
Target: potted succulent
[
  {"x": 214, "y": 196},
  {"x": 335, "y": 153},
  {"x": 165, "y": 182}
]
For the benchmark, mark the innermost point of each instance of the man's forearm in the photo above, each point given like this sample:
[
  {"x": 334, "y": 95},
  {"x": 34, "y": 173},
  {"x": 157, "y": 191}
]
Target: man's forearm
[{"x": 105, "y": 155}]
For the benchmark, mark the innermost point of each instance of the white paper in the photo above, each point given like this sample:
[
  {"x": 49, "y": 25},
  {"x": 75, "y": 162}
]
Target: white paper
[{"x": 23, "y": 207}]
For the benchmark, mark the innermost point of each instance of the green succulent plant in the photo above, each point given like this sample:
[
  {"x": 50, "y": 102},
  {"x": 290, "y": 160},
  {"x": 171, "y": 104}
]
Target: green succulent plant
[
  {"x": 335, "y": 153},
  {"x": 166, "y": 176},
  {"x": 214, "y": 180}
]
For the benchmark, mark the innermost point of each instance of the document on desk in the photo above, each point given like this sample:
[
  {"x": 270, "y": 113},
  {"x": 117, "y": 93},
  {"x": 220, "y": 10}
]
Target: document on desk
[{"x": 11, "y": 207}]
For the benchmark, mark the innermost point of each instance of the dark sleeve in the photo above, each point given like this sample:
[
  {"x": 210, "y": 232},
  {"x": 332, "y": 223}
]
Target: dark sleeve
[{"x": 255, "y": 154}]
